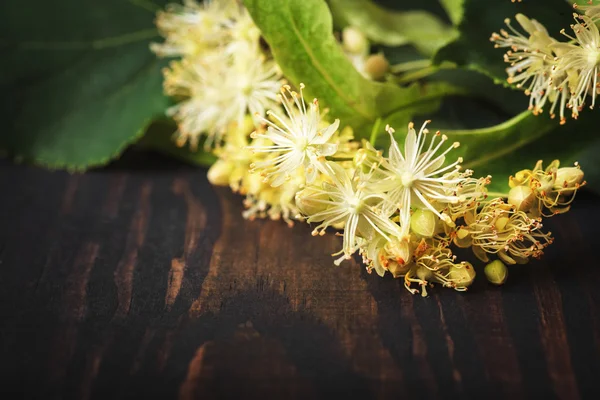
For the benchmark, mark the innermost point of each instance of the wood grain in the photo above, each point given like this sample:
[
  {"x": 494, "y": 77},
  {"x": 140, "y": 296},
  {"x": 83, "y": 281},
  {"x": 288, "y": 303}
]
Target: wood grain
[{"x": 142, "y": 280}]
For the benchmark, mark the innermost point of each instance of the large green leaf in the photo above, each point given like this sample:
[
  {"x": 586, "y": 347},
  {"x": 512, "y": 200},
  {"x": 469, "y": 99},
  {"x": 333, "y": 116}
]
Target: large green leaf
[
  {"x": 422, "y": 29},
  {"x": 79, "y": 83},
  {"x": 480, "y": 18},
  {"x": 300, "y": 35}
]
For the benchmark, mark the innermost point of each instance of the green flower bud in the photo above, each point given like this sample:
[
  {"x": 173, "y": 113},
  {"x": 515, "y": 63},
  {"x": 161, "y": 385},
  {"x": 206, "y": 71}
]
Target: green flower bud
[
  {"x": 219, "y": 173},
  {"x": 423, "y": 223},
  {"x": 377, "y": 66},
  {"x": 496, "y": 272},
  {"x": 310, "y": 201},
  {"x": 522, "y": 197},
  {"x": 462, "y": 275},
  {"x": 354, "y": 41}
]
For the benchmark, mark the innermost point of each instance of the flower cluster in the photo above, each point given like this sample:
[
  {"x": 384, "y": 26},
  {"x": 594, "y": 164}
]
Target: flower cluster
[
  {"x": 561, "y": 74},
  {"x": 224, "y": 73},
  {"x": 229, "y": 94},
  {"x": 545, "y": 192},
  {"x": 402, "y": 210}
]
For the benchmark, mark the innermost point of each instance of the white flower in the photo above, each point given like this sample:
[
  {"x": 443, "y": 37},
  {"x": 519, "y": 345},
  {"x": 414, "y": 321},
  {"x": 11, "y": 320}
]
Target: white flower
[
  {"x": 350, "y": 201},
  {"x": 418, "y": 178},
  {"x": 533, "y": 64},
  {"x": 191, "y": 29},
  {"x": 592, "y": 11},
  {"x": 583, "y": 58},
  {"x": 298, "y": 140},
  {"x": 220, "y": 90}
]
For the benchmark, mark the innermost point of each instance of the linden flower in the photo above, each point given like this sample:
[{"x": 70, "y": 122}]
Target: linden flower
[
  {"x": 274, "y": 202},
  {"x": 232, "y": 169},
  {"x": 349, "y": 200},
  {"x": 469, "y": 191},
  {"x": 191, "y": 28},
  {"x": 298, "y": 140},
  {"x": 592, "y": 11},
  {"x": 437, "y": 264},
  {"x": 219, "y": 90},
  {"x": 533, "y": 64},
  {"x": 545, "y": 192},
  {"x": 380, "y": 254},
  {"x": 417, "y": 178},
  {"x": 499, "y": 229},
  {"x": 234, "y": 158},
  {"x": 583, "y": 57}
]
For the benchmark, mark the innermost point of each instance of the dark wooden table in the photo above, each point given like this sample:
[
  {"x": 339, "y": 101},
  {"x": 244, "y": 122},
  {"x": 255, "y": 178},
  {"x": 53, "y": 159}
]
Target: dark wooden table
[{"x": 142, "y": 280}]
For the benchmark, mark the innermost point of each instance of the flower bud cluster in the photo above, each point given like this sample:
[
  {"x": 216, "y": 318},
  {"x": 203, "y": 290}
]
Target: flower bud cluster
[
  {"x": 223, "y": 73},
  {"x": 545, "y": 192}
]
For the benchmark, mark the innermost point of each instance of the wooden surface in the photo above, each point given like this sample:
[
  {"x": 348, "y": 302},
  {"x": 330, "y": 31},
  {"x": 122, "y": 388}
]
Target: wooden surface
[{"x": 142, "y": 281}]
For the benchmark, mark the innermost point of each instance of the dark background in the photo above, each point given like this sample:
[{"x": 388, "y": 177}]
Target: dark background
[{"x": 142, "y": 280}]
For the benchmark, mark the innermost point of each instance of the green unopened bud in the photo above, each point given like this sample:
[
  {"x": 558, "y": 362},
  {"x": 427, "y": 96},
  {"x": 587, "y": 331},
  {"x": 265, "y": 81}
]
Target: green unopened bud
[
  {"x": 354, "y": 41},
  {"x": 568, "y": 179},
  {"x": 522, "y": 197},
  {"x": 219, "y": 173},
  {"x": 462, "y": 275},
  {"x": 496, "y": 272},
  {"x": 377, "y": 66},
  {"x": 423, "y": 223},
  {"x": 311, "y": 201}
]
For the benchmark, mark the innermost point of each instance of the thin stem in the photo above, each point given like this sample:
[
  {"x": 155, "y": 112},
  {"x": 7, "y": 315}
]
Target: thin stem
[
  {"x": 423, "y": 72},
  {"x": 375, "y": 131},
  {"x": 409, "y": 65}
]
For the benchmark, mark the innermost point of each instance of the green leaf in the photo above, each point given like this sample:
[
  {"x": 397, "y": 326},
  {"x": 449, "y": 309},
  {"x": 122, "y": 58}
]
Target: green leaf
[
  {"x": 158, "y": 137},
  {"x": 454, "y": 9},
  {"x": 481, "y": 18},
  {"x": 426, "y": 32},
  {"x": 299, "y": 33},
  {"x": 80, "y": 83}
]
